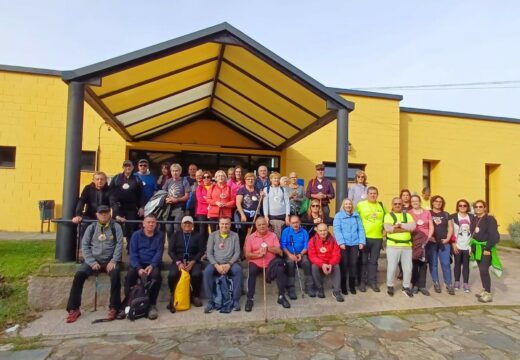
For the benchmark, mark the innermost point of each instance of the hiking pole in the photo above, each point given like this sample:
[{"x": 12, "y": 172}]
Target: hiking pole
[
  {"x": 264, "y": 245},
  {"x": 297, "y": 269},
  {"x": 250, "y": 230},
  {"x": 96, "y": 283},
  {"x": 78, "y": 240}
]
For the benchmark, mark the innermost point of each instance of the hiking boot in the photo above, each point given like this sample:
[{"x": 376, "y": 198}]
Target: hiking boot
[
  {"x": 375, "y": 288},
  {"x": 73, "y": 316},
  {"x": 362, "y": 287},
  {"x": 171, "y": 307},
  {"x": 457, "y": 285},
  {"x": 121, "y": 315},
  {"x": 344, "y": 291},
  {"x": 424, "y": 291},
  {"x": 466, "y": 288},
  {"x": 291, "y": 292},
  {"x": 196, "y": 301},
  {"x": 282, "y": 300},
  {"x": 321, "y": 293},
  {"x": 311, "y": 292},
  {"x": 153, "y": 313},
  {"x": 338, "y": 296},
  {"x": 486, "y": 297},
  {"x": 390, "y": 290},
  {"x": 236, "y": 306},
  {"x": 437, "y": 287},
  {"x": 450, "y": 289},
  {"x": 353, "y": 291},
  {"x": 408, "y": 292},
  {"x": 249, "y": 305},
  {"x": 480, "y": 293},
  {"x": 415, "y": 290},
  {"x": 209, "y": 308},
  {"x": 112, "y": 314}
]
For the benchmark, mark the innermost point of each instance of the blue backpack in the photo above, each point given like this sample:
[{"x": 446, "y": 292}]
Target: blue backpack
[{"x": 223, "y": 297}]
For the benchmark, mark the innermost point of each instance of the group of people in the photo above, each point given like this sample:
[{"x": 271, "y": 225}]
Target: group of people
[{"x": 279, "y": 228}]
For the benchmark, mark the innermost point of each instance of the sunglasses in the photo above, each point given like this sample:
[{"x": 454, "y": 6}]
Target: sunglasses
[
  {"x": 206, "y": 177},
  {"x": 320, "y": 169},
  {"x": 462, "y": 205},
  {"x": 397, "y": 204},
  {"x": 143, "y": 165},
  {"x": 315, "y": 206},
  {"x": 479, "y": 207}
]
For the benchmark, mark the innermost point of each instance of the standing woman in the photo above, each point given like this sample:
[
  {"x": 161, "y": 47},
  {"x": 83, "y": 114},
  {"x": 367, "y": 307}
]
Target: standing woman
[
  {"x": 358, "y": 191},
  {"x": 237, "y": 181},
  {"x": 440, "y": 249},
  {"x": 201, "y": 211},
  {"x": 350, "y": 235},
  {"x": 406, "y": 196},
  {"x": 165, "y": 175},
  {"x": 483, "y": 246},
  {"x": 296, "y": 194},
  {"x": 220, "y": 199},
  {"x": 463, "y": 227},
  {"x": 314, "y": 216},
  {"x": 277, "y": 207},
  {"x": 247, "y": 200},
  {"x": 420, "y": 237}
]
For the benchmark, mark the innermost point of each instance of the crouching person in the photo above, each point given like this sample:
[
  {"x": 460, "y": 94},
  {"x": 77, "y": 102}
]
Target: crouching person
[
  {"x": 223, "y": 253},
  {"x": 261, "y": 248},
  {"x": 146, "y": 251},
  {"x": 294, "y": 245},
  {"x": 325, "y": 255},
  {"x": 185, "y": 249},
  {"x": 102, "y": 245}
]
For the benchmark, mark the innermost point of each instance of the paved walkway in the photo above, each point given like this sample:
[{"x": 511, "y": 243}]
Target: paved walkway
[{"x": 480, "y": 333}]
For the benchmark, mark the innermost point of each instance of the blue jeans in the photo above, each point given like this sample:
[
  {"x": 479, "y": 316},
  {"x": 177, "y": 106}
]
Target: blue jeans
[
  {"x": 434, "y": 253},
  {"x": 210, "y": 274}
]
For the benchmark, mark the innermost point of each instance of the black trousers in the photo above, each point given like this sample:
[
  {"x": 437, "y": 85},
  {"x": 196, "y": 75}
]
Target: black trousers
[
  {"x": 419, "y": 270},
  {"x": 195, "y": 278},
  {"x": 461, "y": 263},
  {"x": 349, "y": 259},
  {"x": 202, "y": 228},
  {"x": 79, "y": 280},
  {"x": 254, "y": 270},
  {"x": 369, "y": 261},
  {"x": 131, "y": 280},
  {"x": 129, "y": 229},
  {"x": 483, "y": 265}
]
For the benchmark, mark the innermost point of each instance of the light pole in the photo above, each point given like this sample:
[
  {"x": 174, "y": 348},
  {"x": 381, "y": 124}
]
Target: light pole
[{"x": 98, "y": 152}]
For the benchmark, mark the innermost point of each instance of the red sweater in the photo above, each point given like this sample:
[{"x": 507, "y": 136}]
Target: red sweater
[
  {"x": 318, "y": 257},
  {"x": 223, "y": 194}
]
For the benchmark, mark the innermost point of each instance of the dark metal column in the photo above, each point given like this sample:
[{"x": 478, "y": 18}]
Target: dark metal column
[
  {"x": 66, "y": 235},
  {"x": 341, "y": 157}
]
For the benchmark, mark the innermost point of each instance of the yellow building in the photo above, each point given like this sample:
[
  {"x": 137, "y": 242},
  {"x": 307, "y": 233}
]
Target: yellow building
[{"x": 217, "y": 98}]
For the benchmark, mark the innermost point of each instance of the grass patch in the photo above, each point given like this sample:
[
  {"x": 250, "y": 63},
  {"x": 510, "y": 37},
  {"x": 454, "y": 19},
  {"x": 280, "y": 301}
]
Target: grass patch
[
  {"x": 18, "y": 260},
  {"x": 508, "y": 243}
]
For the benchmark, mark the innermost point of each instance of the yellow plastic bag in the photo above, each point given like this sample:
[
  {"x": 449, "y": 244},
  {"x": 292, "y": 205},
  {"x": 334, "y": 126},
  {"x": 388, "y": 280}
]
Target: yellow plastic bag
[{"x": 181, "y": 298}]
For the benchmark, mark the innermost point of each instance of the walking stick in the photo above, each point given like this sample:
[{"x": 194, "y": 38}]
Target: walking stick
[
  {"x": 297, "y": 270},
  {"x": 78, "y": 240},
  {"x": 265, "y": 294},
  {"x": 96, "y": 283},
  {"x": 250, "y": 230}
]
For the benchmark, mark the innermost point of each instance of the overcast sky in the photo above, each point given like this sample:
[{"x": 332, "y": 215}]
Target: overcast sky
[{"x": 346, "y": 44}]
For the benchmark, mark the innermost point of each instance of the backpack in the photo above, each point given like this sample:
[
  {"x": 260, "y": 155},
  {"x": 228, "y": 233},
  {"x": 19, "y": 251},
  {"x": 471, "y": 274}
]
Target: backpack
[
  {"x": 156, "y": 206},
  {"x": 223, "y": 297},
  {"x": 181, "y": 297},
  {"x": 139, "y": 300}
]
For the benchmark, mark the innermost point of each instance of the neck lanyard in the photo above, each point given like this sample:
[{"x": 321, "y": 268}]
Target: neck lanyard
[{"x": 187, "y": 238}]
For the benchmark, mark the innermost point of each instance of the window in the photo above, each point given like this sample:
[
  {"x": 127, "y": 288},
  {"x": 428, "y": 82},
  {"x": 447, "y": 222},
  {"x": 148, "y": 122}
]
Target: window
[
  {"x": 7, "y": 156},
  {"x": 330, "y": 171},
  {"x": 426, "y": 174},
  {"x": 88, "y": 160}
]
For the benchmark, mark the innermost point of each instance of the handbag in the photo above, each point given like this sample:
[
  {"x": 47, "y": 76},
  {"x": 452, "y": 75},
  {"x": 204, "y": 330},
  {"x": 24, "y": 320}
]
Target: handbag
[{"x": 181, "y": 298}]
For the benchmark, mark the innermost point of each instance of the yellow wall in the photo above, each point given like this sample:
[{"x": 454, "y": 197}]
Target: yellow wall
[
  {"x": 462, "y": 148},
  {"x": 374, "y": 135},
  {"x": 33, "y": 118}
]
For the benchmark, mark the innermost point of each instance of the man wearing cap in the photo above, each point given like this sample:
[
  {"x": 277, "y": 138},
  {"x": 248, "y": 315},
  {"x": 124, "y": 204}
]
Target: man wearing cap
[
  {"x": 127, "y": 197},
  {"x": 148, "y": 180},
  {"x": 223, "y": 253},
  {"x": 185, "y": 249},
  {"x": 146, "y": 251},
  {"x": 320, "y": 188},
  {"x": 102, "y": 246}
]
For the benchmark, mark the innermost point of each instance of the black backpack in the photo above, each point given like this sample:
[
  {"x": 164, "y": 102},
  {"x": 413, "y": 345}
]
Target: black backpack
[{"x": 139, "y": 300}]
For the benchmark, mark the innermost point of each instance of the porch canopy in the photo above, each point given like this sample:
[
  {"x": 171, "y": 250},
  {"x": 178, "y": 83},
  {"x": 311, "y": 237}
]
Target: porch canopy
[{"x": 218, "y": 71}]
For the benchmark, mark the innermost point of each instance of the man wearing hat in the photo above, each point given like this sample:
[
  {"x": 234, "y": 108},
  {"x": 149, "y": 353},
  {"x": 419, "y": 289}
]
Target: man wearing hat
[
  {"x": 185, "y": 248},
  {"x": 127, "y": 197},
  {"x": 102, "y": 246},
  {"x": 320, "y": 188},
  {"x": 148, "y": 180}
]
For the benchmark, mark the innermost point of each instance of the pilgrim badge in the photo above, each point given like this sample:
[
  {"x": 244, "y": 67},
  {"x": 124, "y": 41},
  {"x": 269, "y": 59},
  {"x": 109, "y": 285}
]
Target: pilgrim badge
[
  {"x": 437, "y": 221},
  {"x": 319, "y": 187},
  {"x": 420, "y": 222},
  {"x": 102, "y": 237},
  {"x": 363, "y": 196},
  {"x": 223, "y": 196},
  {"x": 374, "y": 215},
  {"x": 221, "y": 246},
  {"x": 276, "y": 198},
  {"x": 144, "y": 184},
  {"x": 254, "y": 198},
  {"x": 126, "y": 186},
  {"x": 477, "y": 229},
  {"x": 323, "y": 249},
  {"x": 263, "y": 245}
]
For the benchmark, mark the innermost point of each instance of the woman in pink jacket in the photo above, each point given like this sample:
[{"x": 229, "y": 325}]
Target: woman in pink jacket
[{"x": 201, "y": 211}]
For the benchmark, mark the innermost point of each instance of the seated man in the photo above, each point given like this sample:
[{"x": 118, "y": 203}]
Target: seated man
[
  {"x": 146, "y": 251},
  {"x": 325, "y": 254},
  {"x": 294, "y": 245},
  {"x": 399, "y": 226},
  {"x": 261, "y": 248},
  {"x": 185, "y": 249},
  {"x": 223, "y": 254},
  {"x": 102, "y": 245}
]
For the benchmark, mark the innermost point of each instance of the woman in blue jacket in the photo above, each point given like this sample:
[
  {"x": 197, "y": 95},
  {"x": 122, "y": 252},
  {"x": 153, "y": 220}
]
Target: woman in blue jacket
[{"x": 350, "y": 236}]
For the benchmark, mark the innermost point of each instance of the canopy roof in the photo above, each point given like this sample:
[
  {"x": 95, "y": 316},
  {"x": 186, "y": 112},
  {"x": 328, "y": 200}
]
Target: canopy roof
[{"x": 218, "y": 71}]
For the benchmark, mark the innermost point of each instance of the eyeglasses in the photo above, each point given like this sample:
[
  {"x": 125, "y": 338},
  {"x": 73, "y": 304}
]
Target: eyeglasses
[
  {"x": 479, "y": 206},
  {"x": 320, "y": 169},
  {"x": 143, "y": 165},
  {"x": 360, "y": 176},
  {"x": 397, "y": 204},
  {"x": 315, "y": 206},
  {"x": 462, "y": 205},
  {"x": 206, "y": 177}
]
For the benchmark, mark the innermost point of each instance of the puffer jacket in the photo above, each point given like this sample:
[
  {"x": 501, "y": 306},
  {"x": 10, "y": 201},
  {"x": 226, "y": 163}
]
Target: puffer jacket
[{"x": 348, "y": 229}]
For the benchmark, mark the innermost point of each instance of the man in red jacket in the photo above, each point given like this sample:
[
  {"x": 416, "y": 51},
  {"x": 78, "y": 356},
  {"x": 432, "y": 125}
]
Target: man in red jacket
[{"x": 324, "y": 254}]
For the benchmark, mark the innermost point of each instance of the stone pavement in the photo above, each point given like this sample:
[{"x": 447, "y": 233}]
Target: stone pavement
[{"x": 487, "y": 332}]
